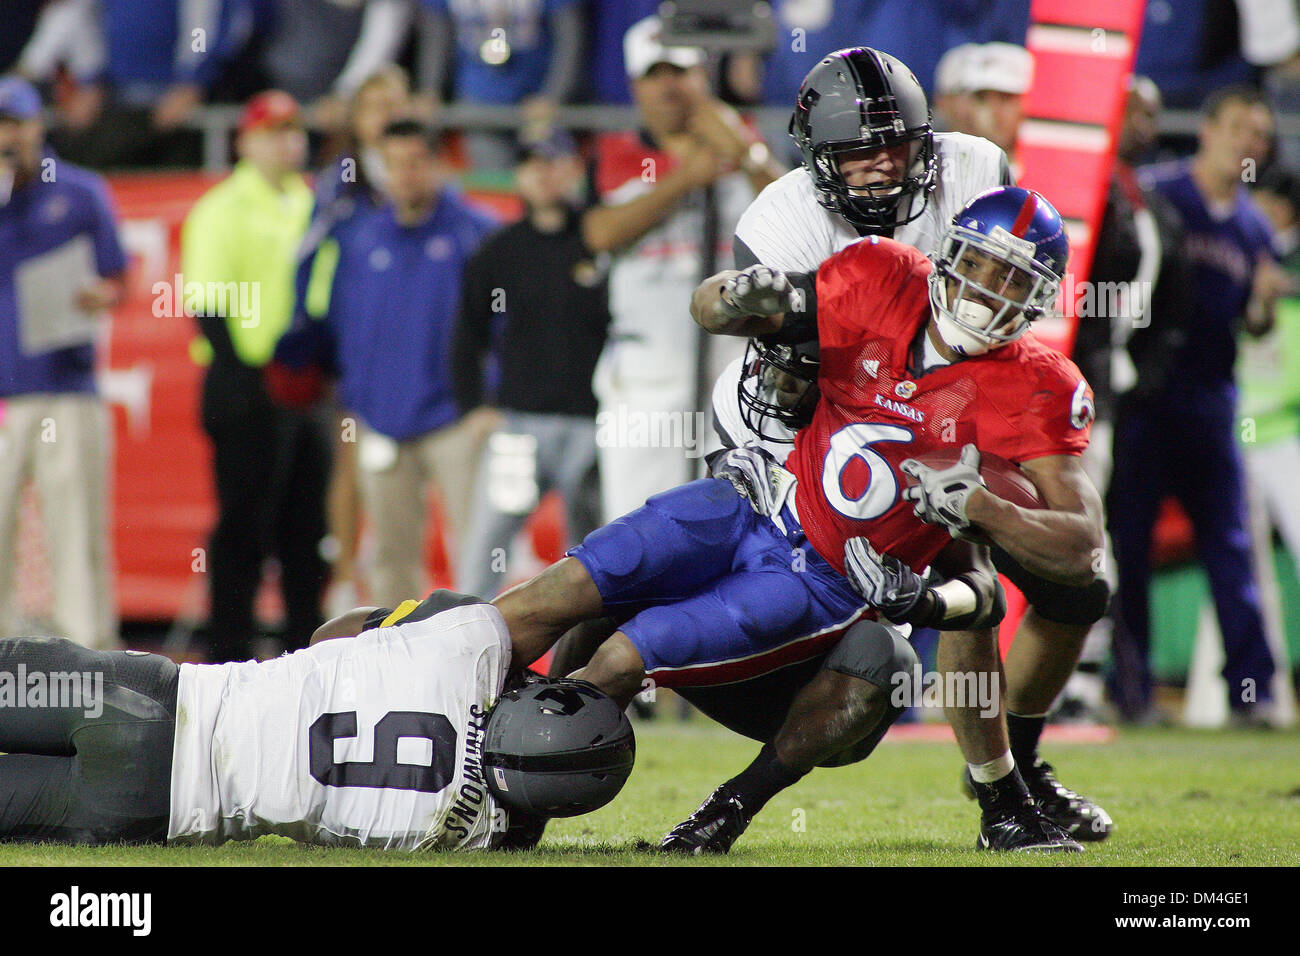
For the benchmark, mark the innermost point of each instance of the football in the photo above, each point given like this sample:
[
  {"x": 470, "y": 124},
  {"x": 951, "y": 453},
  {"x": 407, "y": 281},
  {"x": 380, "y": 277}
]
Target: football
[{"x": 1002, "y": 477}]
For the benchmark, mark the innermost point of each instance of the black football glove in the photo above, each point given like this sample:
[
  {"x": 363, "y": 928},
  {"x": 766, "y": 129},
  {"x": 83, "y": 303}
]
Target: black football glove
[{"x": 883, "y": 580}]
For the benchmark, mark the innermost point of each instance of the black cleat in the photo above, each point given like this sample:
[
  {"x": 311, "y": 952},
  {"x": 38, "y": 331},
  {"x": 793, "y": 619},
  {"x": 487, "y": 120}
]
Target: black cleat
[
  {"x": 717, "y": 824},
  {"x": 1017, "y": 824},
  {"x": 1075, "y": 814},
  {"x": 1023, "y": 830}
]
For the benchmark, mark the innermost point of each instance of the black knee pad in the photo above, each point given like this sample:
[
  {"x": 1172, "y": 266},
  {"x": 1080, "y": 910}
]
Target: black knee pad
[
  {"x": 1058, "y": 603},
  {"x": 874, "y": 652},
  {"x": 1063, "y": 604}
]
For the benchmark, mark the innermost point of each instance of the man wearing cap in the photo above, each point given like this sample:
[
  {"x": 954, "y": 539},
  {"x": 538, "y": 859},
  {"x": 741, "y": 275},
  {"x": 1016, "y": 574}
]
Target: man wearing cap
[
  {"x": 386, "y": 326},
  {"x": 995, "y": 78},
  {"x": 652, "y": 184},
  {"x": 61, "y": 267},
  {"x": 951, "y": 102},
  {"x": 540, "y": 280},
  {"x": 238, "y": 252}
]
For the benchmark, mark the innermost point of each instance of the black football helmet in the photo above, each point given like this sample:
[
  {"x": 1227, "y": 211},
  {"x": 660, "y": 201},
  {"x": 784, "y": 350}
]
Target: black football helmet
[
  {"x": 557, "y": 748},
  {"x": 778, "y": 384},
  {"x": 857, "y": 99}
]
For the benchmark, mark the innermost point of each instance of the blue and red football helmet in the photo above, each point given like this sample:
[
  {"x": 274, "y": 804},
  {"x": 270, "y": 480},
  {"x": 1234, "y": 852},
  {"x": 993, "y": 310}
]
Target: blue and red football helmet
[{"x": 998, "y": 267}]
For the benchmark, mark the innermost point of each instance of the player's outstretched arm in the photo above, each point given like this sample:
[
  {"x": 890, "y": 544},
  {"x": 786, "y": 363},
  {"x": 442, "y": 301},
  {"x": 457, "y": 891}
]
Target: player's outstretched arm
[
  {"x": 749, "y": 302},
  {"x": 1062, "y": 542},
  {"x": 348, "y": 624},
  {"x": 540, "y": 611}
]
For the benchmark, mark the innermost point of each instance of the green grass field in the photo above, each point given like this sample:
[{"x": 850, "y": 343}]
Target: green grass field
[{"x": 1179, "y": 797}]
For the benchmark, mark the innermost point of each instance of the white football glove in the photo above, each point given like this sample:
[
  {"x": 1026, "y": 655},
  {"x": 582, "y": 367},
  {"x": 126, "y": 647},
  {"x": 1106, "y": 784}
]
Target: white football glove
[
  {"x": 757, "y": 290},
  {"x": 883, "y": 580},
  {"x": 941, "y": 493},
  {"x": 746, "y": 469}
]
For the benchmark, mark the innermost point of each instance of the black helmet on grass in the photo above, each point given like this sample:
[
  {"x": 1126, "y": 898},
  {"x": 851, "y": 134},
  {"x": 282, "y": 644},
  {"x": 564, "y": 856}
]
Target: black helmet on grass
[{"x": 557, "y": 748}]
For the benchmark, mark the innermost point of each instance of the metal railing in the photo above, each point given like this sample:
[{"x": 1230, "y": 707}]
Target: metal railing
[{"x": 217, "y": 123}]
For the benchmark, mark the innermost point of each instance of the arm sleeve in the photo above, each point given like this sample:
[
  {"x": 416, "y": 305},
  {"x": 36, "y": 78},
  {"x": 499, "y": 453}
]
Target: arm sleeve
[
  {"x": 567, "y": 25},
  {"x": 68, "y": 31},
  {"x": 742, "y": 256},
  {"x": 473, "y": 335},
  {"x": 383, "y": 28},
  {"x": 379, "y": 615},
  {"x": 437, "y": 37},
  {"x": 206, "y": 256},
  {"x": 855, "y": 284},
  {"x": 783, "y": 234},
  {"x": 411, "y": 610}
]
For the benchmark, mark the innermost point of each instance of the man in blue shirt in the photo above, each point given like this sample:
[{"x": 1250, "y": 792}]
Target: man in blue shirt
[
  {"x": 526, "y": 53},
  {"x": 387, "y": 332},
  {"x": 346, "y": 191},
  {"x": 1177, "y": 437},
  {"x": 55, "y": 219}
]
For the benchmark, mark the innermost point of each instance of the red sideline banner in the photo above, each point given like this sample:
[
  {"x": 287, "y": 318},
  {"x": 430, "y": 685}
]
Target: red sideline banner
[
  {"x": 1083, "y": 55},
  {"x": 163, "y": 506}
]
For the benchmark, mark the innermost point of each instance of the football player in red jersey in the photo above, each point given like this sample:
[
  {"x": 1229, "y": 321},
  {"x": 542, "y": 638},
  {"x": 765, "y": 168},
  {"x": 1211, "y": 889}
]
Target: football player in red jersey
[
  {"x": 852, "y": 109},
  {"x": 705, "y": 588},
  {"x": 896, "y": 350}
]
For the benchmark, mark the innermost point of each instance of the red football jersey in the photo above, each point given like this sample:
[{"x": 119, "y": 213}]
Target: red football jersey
[{"x": 1021, "y": 401}]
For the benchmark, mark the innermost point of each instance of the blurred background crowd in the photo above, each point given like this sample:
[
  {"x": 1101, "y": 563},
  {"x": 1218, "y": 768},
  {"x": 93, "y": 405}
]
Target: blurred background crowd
[{"x": 453, "y": 254}]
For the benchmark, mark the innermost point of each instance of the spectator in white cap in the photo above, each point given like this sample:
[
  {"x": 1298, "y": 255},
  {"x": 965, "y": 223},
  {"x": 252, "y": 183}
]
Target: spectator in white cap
[
  {"x": 951, "y": 100},
  {"x": 651, "y": 218},
  {"x": 997, "y": 77}
]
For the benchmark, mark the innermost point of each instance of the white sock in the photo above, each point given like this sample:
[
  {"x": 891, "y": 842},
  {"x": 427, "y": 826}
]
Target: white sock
[{"x": 995, "y": 769}]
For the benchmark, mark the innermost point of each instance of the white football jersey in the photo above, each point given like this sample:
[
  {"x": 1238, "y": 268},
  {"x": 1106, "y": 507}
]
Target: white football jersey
[
  {"x": 787, "y": 229},
  {"x": 373, "y": 740}
]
